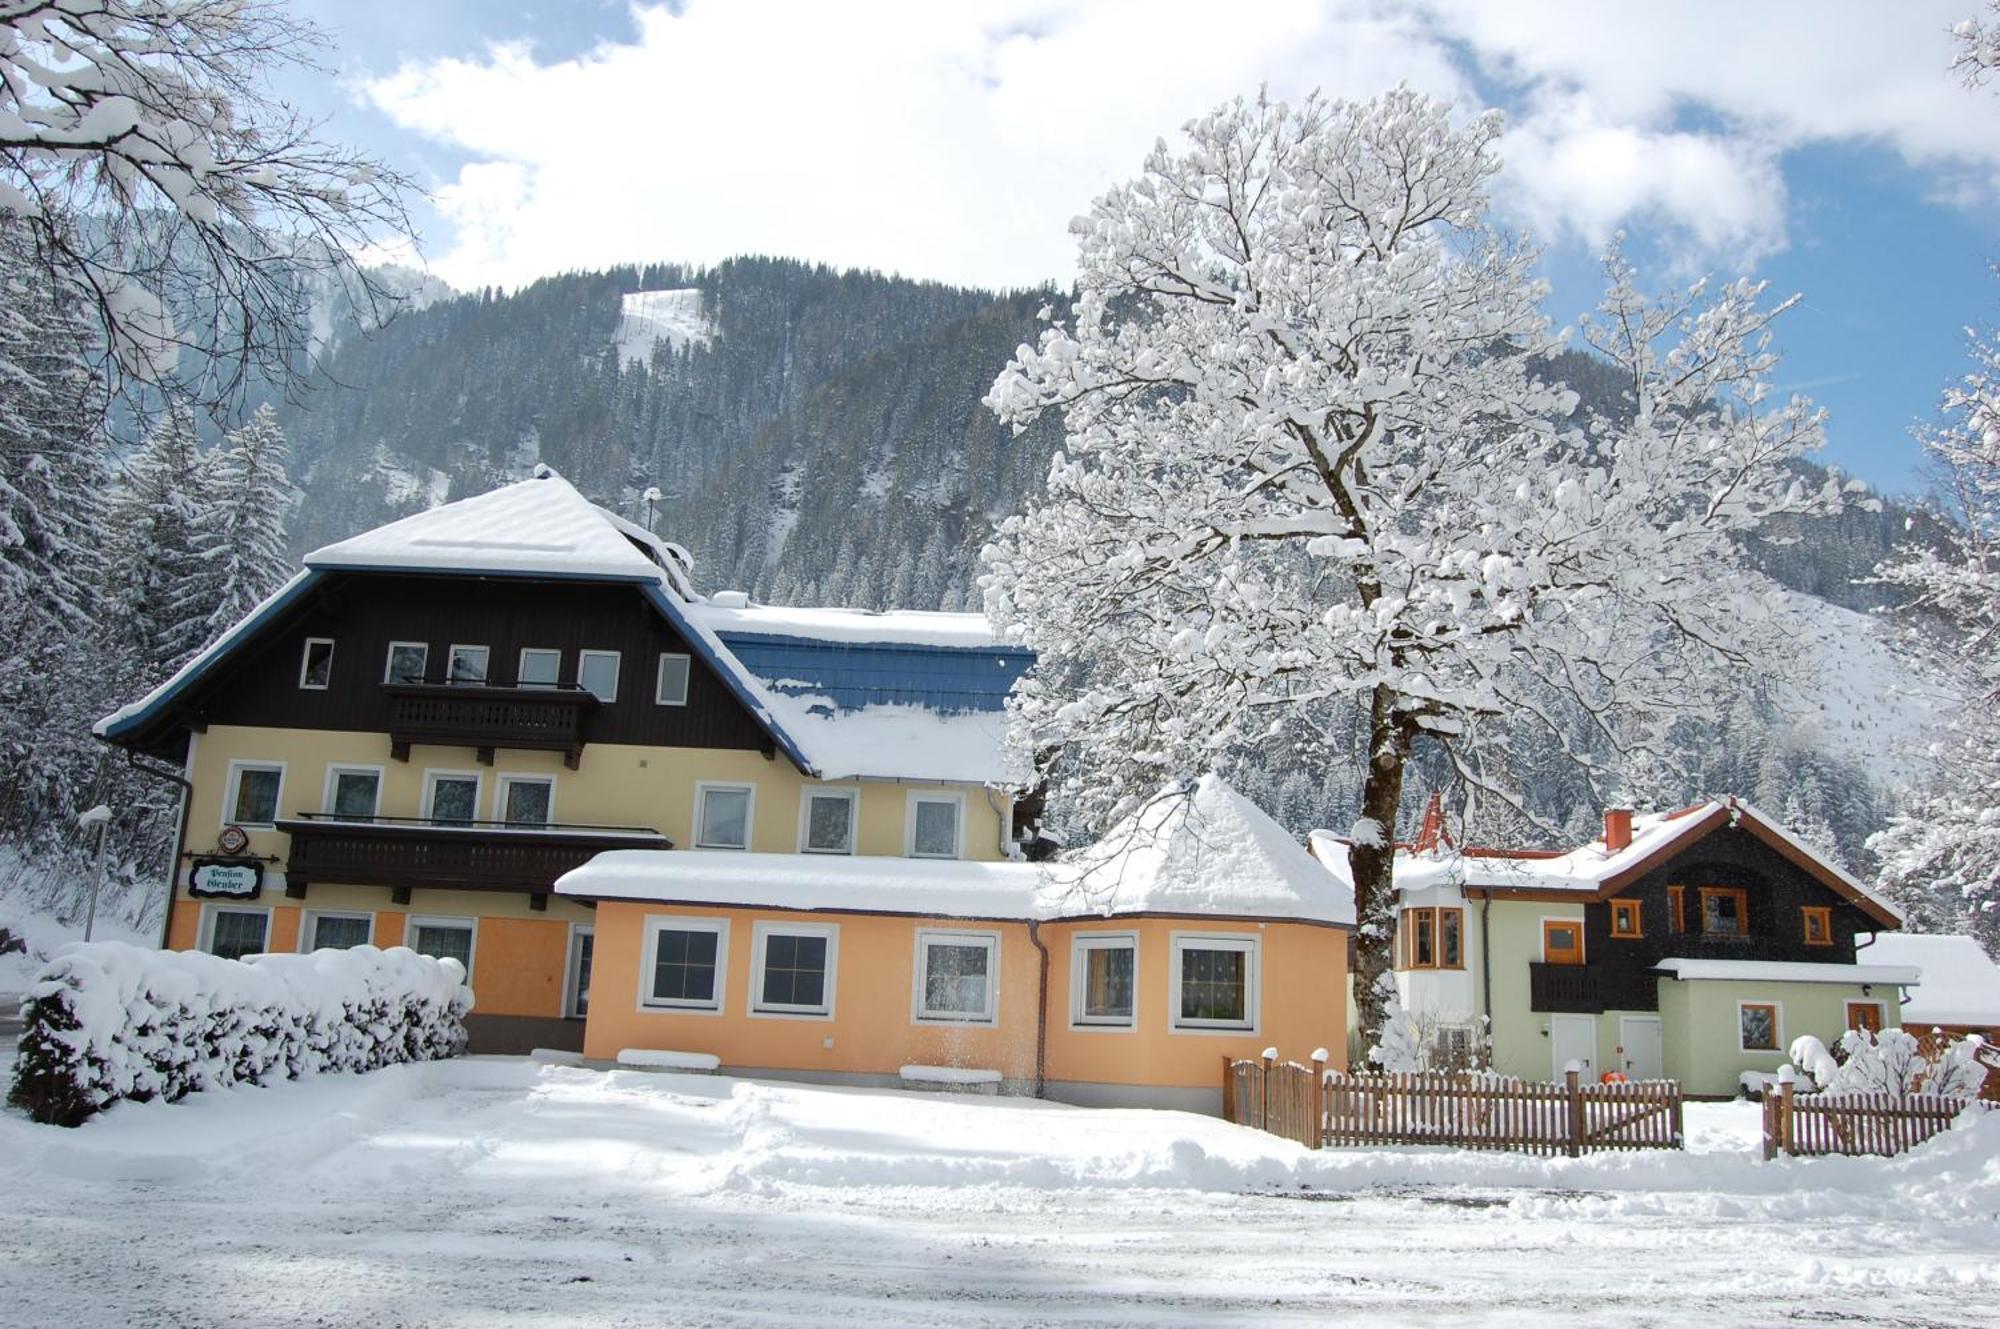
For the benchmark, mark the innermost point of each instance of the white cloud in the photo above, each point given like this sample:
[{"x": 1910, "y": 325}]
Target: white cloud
[{"x": 955, "y": 140}]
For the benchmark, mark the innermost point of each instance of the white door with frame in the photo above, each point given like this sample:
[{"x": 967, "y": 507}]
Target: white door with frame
[
  {"x": 1639, "y": 1035},
  {"x": 1573, "y": 1038},
  {"x": 576, "y": 1001}
]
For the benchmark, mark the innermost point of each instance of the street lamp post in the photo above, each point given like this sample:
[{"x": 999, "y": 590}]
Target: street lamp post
[{"x": 100, "y": 817}]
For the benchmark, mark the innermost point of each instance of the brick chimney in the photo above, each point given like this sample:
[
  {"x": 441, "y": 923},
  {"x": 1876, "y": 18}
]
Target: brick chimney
[{"x": 1617, "y": 829}]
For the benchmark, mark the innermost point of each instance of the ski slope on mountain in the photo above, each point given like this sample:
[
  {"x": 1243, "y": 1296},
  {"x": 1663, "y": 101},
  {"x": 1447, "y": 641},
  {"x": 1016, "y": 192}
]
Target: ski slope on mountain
[
  {"x": 1867, "y": 701},
  {"x": 674, "y": 317}
]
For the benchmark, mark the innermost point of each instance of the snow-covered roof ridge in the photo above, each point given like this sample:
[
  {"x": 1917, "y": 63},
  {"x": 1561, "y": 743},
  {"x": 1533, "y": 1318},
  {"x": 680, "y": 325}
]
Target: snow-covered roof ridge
[
  {"x": 1208, "y": 852},
  {"x": 1191, "y": 851},
  {"x": 538, "y": 526},
  {"x": 1595, "y": 867},
  {"x": 1960, "y": 982}
]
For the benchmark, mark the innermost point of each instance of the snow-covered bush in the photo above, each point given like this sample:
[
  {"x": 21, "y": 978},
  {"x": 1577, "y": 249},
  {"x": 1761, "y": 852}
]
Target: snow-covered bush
[
  {"x": 1814, "y": 1065},
  {"x": 107, "y": 1021},
  {"x": 1897, "y": 1062}
]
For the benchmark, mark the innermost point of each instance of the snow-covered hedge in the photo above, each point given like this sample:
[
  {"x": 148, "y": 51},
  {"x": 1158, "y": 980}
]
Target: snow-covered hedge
[{"x": 107, "y": 1021}]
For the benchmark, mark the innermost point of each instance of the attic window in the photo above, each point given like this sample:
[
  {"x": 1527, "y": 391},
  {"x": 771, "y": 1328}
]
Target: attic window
[
  {"x": 1725, "y": 911},
  {"x": 671, "y": 686},
  {"x": 316, "y": 666},
  {"x": 1625, "y": 919},
  {"x": 1818, "y": 924}
]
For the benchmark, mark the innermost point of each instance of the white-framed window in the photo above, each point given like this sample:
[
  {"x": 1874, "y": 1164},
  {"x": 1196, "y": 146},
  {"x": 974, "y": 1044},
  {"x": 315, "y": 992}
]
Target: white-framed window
[
  {"x": 316, "y": 664},
  {"x": 958, "y": 977},
  {"x": 451, "y": 795},
  {"x": 443, "y": 937},
  {"x": 1212, "y": 983},
  {"x": 353, "y": 791},
  {"x": 525, "y": 800},
  {"x": 936, "y": 825},
  {"x": 332, "y": 931},
  {"x": 1760, "y": 1026},
  {"x": 234, "y": 931},
  {"x": 1104, "y": 980},
  {"x": 722, "y": 814},
  {"x": 670, "y": 685},
  {"x": 253, "y": 792},
  {"x": 407, "y": 662},
  {"x": 597, "y": 673},
  {"x": 687, "y": 964},
  {"x": 827, "y": 820},
  {"x": 467, "y": 664},
  {"x": 793, "y": 968},
  {"x": 540, "y": 667},
  {"x": 576, "y": 975}
]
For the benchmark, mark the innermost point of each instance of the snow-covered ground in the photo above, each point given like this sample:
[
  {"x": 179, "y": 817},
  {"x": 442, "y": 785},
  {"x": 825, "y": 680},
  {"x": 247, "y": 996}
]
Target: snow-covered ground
[
  {"x": 490, "y": 1191},
  {"x": 674, "y": 317}
]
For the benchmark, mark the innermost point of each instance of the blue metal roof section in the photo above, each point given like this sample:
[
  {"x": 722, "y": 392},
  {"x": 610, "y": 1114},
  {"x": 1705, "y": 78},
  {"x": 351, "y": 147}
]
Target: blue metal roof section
[{"x": 950, "y": 680}]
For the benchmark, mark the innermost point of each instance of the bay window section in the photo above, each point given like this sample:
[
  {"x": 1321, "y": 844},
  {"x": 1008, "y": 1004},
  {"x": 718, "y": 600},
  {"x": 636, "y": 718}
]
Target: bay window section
[
  {"x": 1104, "y": 977},
  {"x": 1214, "y": 982},
  {"x": 956, "y": 977}
]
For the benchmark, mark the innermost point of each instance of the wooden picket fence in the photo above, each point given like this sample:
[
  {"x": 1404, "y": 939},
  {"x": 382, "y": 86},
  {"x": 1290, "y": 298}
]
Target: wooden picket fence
[
  {"x": 1809, "y": 1125},
  {"x": 1319, "y": 1108}
]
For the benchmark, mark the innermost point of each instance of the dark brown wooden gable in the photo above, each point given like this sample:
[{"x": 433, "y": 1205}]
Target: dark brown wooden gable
[
  {"x": 1777, "y": 890},
  {"x": 363, "y": 612}
]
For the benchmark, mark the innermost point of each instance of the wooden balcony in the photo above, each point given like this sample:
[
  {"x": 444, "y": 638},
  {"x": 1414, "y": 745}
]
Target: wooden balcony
[
  {"x": 482, "y": 717},
  {"x": 1565, "y": 988},
  {"x": 402, "y": 853}
]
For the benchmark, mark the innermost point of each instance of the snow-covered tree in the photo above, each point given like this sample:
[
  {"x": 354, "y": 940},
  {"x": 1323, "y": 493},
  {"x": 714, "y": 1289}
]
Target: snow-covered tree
[
  {"x": 159, "y": 580},
  {"x": 52, "y": 478},
  {"x": 142, "y": 144},
  {"x": 244, "y": 525},
  {"x": 1976, "y": 45},
  {"x": 1940, "y": 854},
  {"x": 1314, "y": 462},
  {"x": 1898, "y": 1063}
]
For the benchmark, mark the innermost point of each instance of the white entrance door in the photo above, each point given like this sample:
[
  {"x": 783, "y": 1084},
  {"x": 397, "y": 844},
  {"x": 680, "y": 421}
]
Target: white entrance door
[
  {"x": 1639, "y": 1035},
  {"x": 1573, "y": 1038}
]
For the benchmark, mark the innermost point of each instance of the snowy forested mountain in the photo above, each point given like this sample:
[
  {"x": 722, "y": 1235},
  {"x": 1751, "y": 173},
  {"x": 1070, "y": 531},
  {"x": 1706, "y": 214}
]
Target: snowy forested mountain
[{"x": 818, "y": 436}]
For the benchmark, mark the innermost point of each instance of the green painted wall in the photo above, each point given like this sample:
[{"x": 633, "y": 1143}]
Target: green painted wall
[
  {"x": 1701, "y": 1025},
  {"x": 1520, "y": 1044}
]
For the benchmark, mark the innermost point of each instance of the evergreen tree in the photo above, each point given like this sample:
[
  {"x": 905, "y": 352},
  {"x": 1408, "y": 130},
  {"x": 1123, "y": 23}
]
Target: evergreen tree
[
  {"x": 51, "y": 464},
  {"x": 245, "y": 526},
  {"x": 160, "y": 589}
]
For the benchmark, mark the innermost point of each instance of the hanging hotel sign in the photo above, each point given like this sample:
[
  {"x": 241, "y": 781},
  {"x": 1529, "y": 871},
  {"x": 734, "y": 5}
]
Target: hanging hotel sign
[{"x": 231, "y": 877}]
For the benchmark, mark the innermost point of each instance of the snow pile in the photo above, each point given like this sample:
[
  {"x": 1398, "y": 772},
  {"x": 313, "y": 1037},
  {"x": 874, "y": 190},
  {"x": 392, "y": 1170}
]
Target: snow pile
[
  {"x": 107, "y": 1021},
  {"x": 674, "y": 317}
]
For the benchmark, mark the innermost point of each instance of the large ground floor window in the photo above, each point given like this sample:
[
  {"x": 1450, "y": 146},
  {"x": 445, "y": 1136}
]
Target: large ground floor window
[
  {"x": 957, "y": 977},
  {"x": 1214, "y": 981},
  {"x": 235, "y": 933},
  {"x": 443, "y": 938}
]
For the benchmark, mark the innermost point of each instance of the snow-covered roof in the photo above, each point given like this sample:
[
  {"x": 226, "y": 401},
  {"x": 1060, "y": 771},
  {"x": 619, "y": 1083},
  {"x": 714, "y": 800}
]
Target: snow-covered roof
[
  {"x": 1208, "y": 854},
  {"x": 1960, "y": 982},
  {"x": 1594, "y": 868},
  {"x": 1789, "y": 971},
  {"x": 537, "y": 527},
  {"x": 914, "y": 697},
  {"x": 909, "y": 627}
]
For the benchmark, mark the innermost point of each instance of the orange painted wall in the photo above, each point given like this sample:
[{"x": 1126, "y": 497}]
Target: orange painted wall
[
  {"x": 871, "y": 1030},
  {"x": 1302, "y": 1005},
  {"x": 1303, "y": 986},
  {"x": 519, "y": 965}
]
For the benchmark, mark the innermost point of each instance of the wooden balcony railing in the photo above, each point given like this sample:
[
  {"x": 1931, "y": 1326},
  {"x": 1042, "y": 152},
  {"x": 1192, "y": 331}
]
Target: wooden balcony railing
[
  {"x": 479, "y": 716},
  {"x": 1565, "y": 988},
  {"x": 402, "y": 853}
]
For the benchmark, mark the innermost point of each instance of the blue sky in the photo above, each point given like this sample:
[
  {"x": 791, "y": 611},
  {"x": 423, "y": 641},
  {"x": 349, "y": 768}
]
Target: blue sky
[{"x": 1821, "y": 145}]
